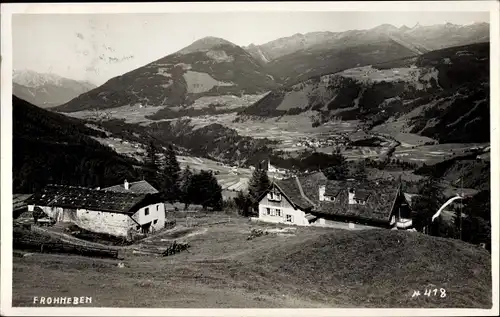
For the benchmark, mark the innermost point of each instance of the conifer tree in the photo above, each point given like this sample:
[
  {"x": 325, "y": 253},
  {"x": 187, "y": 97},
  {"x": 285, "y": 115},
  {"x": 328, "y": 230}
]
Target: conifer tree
[
  {"x": 170, "y": 176},
  {"x": 206, "y": 191},
  {"x": 430, "y": 198},
  {"x": 185, "y": 187},
  {"x": 151, "y": 166},
  {"x": 258, "y": 184}
]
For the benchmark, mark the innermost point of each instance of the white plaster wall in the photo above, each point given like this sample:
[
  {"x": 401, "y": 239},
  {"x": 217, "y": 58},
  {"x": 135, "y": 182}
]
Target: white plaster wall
[
  {"x": 298, "y": 216},
  {"x": 156, "y": 212},
  {"x": 102, "y": 222},
  {"x": 95, "y": 221}
]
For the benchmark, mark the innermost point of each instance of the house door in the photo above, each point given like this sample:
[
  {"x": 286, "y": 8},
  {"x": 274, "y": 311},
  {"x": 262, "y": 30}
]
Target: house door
[{"x": 146, "y": 227}]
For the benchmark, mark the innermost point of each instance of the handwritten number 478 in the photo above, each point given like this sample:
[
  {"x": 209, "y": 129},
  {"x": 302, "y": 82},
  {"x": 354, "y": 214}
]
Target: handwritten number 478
[{"x": 431, "y": 292}]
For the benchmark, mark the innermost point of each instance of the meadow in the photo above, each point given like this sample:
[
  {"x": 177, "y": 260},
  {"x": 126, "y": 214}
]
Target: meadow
[{"x": 299, "y": 267}]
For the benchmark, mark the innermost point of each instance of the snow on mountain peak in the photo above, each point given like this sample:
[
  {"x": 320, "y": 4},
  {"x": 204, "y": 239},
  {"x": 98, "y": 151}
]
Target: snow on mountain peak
[{"x": 29, "y": 78}]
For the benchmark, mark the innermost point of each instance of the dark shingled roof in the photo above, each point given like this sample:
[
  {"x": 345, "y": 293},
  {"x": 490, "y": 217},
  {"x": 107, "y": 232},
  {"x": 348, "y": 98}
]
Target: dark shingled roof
[
  {"x": 140, "y": 187},
  {"x": 379, "y": 196},
  {"x": 290, "y": 188},
  {"x": 92, "y": 199},
  {"x": 19, "y": 201}
]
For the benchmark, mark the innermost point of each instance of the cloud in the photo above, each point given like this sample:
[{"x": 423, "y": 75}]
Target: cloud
[{"x": 80, "y": 36}]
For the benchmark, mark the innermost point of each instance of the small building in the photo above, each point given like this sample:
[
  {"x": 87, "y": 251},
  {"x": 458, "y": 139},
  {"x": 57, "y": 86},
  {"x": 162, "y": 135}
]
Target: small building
[
  {"x": 19, "y": 204},
  {"x": 313, "y": 200},
  {"x": 120, "y": 214},
  {"x": 140, "y": 187}
]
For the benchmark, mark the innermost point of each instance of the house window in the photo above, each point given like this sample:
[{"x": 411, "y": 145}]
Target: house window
[
  {"x": 155, "y": 222},
  {"x": 146, "y": 211},
  {"x": 360, "y": 201},
  {"x": 329, "y": 198},
  {"x": 157, "y": 207},
  {"x": 278, "y": 213},
  {"x": 268, "y": 211},
  {"x": 289, "y": 218}
]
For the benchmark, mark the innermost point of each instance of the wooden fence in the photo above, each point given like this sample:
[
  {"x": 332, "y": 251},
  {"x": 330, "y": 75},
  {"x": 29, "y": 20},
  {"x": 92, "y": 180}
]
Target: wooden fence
[{"x": 61, "y": 247}]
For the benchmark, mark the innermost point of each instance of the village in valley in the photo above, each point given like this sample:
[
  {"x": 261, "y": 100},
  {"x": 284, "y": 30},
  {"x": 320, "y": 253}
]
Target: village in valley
[{"x": 180, "y": 184}]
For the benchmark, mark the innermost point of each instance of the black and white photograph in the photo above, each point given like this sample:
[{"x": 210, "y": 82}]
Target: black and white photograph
[{"x": 231, "y": 157}]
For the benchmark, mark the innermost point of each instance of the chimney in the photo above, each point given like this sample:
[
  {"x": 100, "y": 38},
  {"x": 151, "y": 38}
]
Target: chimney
[
  {"x": 322, "y": 189},
  {"x": 125, "y": 185},
  {"x": 351, "y": 196}
]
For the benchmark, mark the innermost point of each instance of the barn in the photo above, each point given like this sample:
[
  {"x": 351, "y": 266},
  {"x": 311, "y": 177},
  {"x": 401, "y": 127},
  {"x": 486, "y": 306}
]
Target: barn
[{"x": 120, "y": 214}]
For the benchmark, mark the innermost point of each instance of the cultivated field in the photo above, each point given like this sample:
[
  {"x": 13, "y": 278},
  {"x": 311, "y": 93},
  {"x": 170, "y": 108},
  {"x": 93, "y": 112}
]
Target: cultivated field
[
  {"x": 418, "y": 77},
  {"x": 131, "y": 113},
  {"x": 301, "y": 267},
  {"x": 431, "y": 154},
  {"x": 137, "y": 113},
  {"x": 282, "y": 128},
  {"x": 232, "y": 178},
  {"x": 406, "y": 139}
]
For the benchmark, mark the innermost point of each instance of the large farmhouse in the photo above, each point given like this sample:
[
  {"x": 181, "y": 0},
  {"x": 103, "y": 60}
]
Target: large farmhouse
[
  {"x": 314, "y": 200},
  {"x": 120, "y": 214}
]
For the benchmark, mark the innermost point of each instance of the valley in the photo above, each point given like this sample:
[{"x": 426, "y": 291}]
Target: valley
[{"x": 308, "y": 171}]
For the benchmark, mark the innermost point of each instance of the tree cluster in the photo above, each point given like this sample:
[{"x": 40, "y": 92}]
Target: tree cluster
[
  {"x": 430, "y": 198},
  {"x": 472, "y": 217},
  {"x": 248, "y": 203},
  {"x": 182, "y": 186}
]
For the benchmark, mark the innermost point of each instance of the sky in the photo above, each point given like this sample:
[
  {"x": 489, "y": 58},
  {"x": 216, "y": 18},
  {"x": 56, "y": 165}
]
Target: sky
[{"x": 97, "y": 47}]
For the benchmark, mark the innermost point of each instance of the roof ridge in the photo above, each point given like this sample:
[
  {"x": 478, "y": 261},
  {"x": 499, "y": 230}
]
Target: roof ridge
[
  {"x": 302, "y": 191},
  {"x": 143, "y": 180}
]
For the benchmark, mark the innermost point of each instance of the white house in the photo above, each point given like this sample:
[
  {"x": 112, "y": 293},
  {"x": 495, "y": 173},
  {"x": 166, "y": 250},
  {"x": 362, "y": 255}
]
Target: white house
[
  {"x": 276, "y": 206},
  {"x": 316, "y": 201},
  {"x": 120, "y": 214}
]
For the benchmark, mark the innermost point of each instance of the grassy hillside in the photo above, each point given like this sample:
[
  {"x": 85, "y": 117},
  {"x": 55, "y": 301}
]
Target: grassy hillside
[
  {"x": 213, "y": 141},
  {"x": 52, "y": 148},
  {"x": 308, "y": 267},
  {"x": 473, "y": 173},
  {"x": 302, "y": 65},
  {"x": 382, "y": 269}
]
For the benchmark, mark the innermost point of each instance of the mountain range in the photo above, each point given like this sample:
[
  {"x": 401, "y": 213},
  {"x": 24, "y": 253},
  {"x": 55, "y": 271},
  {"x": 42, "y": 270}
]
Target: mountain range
[
  {"x": 213, "y": 75},
  {"x": 442, "y": 94},
  {"x": 419, "y": 38},
  {"x": 382, "y": 80},
  {"x": 47, "y": 90}
]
